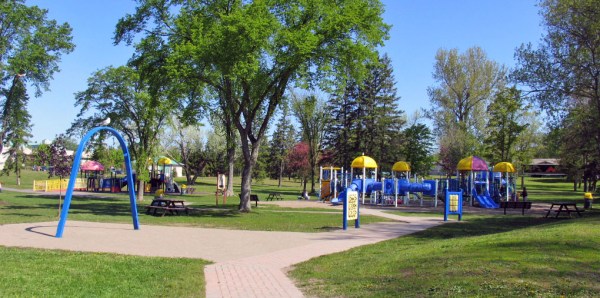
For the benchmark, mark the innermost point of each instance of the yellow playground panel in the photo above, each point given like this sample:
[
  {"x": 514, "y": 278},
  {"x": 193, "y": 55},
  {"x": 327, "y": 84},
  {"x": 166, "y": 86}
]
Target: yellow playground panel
[
  {"x": 327, "y": 174},
  {"x": 57, "y": 184}
]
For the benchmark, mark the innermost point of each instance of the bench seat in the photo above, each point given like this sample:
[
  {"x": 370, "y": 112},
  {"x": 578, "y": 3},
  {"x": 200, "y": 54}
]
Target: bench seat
[{"x": 515, "y": 205}]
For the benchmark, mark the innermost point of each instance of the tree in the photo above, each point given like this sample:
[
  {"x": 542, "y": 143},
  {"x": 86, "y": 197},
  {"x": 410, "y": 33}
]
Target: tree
[
  {"x": 465, "y": 85},
  {"x": 417, "y": 148},
  {"x": 281, "y": 143},
  {"x": 29, "y": 44},
  {"x": 134, "y": 108},
  {"x": 186, "y": 144},
  {"x": 310, "y": 112},
  {"x": 297, "y": 161},
  {"x": 60, "y": 164},
  {"x": 366, "y": 118},
  {"x": 504, "y": 126},
  {"x": 16, "y": 127},
  {"x": 564, "y": 69},
  {"x": 249, "y": 52}
]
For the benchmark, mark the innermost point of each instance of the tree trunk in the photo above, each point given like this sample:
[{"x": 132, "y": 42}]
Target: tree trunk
[
  {"x": 312, "y": 180},
  {"x": 140, "y": 196},
  {"x": 280, "y": 173},
  {"x": 250, "y": 152},
  {"x": 231, "y": 164}
]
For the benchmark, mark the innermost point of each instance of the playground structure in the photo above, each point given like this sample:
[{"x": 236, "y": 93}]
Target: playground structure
[
  {"x": 386, "y": 191},
  {"x": 473, "y": 173},
  {"x": 161, "y": 176},
  {"x": 504, "y": 187},
  {"x": 480, "y": 184},
  {"x": 329, "y": 182}
]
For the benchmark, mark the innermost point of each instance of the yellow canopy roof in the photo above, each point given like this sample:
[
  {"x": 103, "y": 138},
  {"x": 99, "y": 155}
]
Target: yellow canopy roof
[
  {"x": 504, "y": 167},
  {"x": 472, "y": 163},
  {"x": 364, "y": 162},
  {"x": 164, "y": 161},
  {"x": 401, "y": 166}
]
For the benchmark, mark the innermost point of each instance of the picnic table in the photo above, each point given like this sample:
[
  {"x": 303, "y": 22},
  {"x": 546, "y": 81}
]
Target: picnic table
[
  {"x": 564, "y": 207},
  {"x": 274, "y": 196},
  {"x": 165, "y": 205}
]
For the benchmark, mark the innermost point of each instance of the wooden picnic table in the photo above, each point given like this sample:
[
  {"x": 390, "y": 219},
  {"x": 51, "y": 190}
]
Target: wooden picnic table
[
  {"x": 274, "y": 196},
  {"x": 564, "y": 207},
  {"x": 166, "y": 205}
]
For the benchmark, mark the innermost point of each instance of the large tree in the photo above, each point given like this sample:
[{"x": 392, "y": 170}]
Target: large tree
[
  {"x": 312, "y": 116},
  {"x": 282, "y": 141},
  {"x": 366, "y": 118},
  {"x": 134, "y": 109},
  {"x": 465, "y": 84},
  {"x": 504, "y": 126},
  {"x": 417, "y": 148},
  {"x": 250, "y": 52},
  {"x": 565, "y": 68},
  {"x": 31, "y": 45},
  {"x": 16, "y": 127}
]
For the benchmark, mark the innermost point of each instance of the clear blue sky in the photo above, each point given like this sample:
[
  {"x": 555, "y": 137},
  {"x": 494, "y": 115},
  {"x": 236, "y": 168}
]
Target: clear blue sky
[{"x": 419, "y": 29}]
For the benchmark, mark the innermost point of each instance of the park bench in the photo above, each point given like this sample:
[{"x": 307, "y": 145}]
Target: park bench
[
  {"x": 253, "y": 198},
  {"x": 515, "y": 205}
]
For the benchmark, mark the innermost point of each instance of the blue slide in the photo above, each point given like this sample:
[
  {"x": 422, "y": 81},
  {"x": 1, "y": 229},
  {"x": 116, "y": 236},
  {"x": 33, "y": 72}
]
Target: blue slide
[{"x": 485, "y": 200}]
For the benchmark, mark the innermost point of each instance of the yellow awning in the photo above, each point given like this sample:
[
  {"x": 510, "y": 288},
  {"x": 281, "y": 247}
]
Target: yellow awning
[
  {"x": 401, "y": 166},
  {"x": 364, "y": 162}
]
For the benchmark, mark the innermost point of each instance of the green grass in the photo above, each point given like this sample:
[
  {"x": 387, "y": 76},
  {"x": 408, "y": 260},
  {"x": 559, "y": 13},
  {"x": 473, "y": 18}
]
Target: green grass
[
  {"x": 22, "y": 207},
  {"x": 55, "y": 273},
  {"x": 483, "y": 256}
]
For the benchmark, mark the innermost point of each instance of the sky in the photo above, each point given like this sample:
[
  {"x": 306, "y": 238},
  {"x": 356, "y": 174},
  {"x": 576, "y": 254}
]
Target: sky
[{"x": 419, "y": 29}]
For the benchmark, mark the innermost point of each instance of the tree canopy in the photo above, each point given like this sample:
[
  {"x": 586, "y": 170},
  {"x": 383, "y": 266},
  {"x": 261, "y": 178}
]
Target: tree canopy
[{"x": 247, "y": 53}]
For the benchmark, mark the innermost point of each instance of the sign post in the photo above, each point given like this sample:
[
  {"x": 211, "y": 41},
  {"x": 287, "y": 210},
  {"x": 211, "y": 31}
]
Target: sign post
[
  {"x": 351, "y": 209},
  {"x": 453, "y": 204}
]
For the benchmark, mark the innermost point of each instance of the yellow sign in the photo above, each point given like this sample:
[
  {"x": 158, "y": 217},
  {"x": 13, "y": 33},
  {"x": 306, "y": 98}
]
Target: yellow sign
[
  {"x": 453, "y": 203},
  {"x": 352, "y": 201}
]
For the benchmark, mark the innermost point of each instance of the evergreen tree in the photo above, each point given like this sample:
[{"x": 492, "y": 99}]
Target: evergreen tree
[
  {"x": 417, "y": 148},
  {"x": 17, "y": 126},
  {"x": 281, "y": 143},
  {"x": 367, "y": 119}
]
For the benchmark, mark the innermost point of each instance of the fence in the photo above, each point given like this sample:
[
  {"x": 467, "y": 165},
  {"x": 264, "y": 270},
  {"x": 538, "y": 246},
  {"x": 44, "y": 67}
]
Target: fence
[{"x": 57, "y": 184}]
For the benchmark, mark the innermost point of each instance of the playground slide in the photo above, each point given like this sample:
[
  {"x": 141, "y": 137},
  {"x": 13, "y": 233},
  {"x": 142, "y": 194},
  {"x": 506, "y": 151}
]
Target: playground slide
[{"x": 486, "y": 201}]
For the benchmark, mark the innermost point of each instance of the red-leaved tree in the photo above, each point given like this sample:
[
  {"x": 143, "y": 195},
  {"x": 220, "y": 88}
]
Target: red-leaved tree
[{"x": 297, "y": 161}]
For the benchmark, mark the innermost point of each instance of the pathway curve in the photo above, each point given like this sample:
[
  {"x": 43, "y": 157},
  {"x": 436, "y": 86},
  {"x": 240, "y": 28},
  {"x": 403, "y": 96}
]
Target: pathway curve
[{"x": 246, "y": 263}]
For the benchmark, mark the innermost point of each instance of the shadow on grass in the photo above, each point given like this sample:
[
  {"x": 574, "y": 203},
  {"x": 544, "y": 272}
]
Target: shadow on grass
[{"x": 486, "y": 225}]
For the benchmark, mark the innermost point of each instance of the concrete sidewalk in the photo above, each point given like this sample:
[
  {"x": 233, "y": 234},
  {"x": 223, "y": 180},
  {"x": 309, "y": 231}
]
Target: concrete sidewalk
[{"x": 247, "y": 263}]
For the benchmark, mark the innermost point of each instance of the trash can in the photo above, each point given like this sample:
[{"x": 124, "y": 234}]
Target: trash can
[{"x": 587, "y": 203}]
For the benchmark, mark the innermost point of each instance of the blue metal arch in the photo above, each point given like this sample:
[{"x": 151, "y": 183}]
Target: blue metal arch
[{"x": 75, "y": 169}]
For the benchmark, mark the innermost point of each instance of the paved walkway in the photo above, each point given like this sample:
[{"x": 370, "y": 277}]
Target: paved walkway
[{"x": 246, "y": 263}]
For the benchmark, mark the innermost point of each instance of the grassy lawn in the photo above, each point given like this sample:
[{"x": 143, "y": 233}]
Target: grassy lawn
[
  {"x": 49, "y": 273},
  {"x": 54, "y": 273},
  {"x": 483, "y": 256}
]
